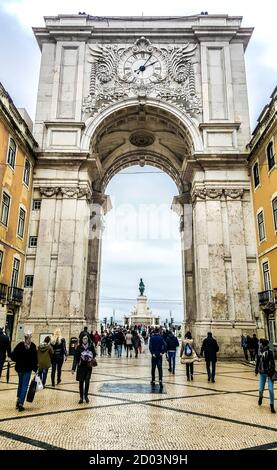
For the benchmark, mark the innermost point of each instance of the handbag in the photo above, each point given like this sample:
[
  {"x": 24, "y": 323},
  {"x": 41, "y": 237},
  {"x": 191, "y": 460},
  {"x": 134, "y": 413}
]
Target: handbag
[
  {"x": 274, "y": 377},
  {"x": 39, "y": 383},
  {"x": 93, "y": 362},
  {"x": 32, "y": 391}
]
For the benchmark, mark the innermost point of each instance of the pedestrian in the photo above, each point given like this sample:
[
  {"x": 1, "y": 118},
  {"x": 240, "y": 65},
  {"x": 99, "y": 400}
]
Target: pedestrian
[
  {"x": 59, "y": 356},
  {"x": 265, "y": 366},
  {"x": 45, "y": 353},
  {"x": 157, "y": 348},
  {"x": 84, "y": 354},
  {"x": 84, "y": 332},
  {"x": 251, "y": 348},
  {"x": 136, "y": 342},
  {"x": 109, "y": 343},
  {"x": 119, "y": 341},
  {"x": 25, "y": 357},
  {"x": 172, "y": 344},
  {"x": 210, "y": 348},
  {"x": 5, "y": 349},
  {"x": 103, "y": 345},
  {"x": 255, "y": 342},
  {"x": 244, "y": 346},
  {"x": 129, "y": 343},
  {"x": 188, "y": 355}
]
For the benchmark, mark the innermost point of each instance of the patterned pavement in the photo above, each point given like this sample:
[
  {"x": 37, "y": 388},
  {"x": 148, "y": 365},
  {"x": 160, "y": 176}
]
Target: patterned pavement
[{"x": 124, "y": 413}]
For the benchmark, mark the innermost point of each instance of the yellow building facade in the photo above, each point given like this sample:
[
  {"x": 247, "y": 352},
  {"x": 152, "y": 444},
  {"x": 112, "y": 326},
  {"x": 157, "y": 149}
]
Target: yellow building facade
[
  {"x": 263, "y": 168},
  {"x": 16, "y": 178}
]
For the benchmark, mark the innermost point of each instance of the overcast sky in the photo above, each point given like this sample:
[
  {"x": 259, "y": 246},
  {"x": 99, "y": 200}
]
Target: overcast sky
[{"x": 126, "y": 259}]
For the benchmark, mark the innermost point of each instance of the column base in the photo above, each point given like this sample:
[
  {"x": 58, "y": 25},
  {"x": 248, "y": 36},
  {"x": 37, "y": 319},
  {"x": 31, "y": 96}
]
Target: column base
[{"x": 227, "y": 334}]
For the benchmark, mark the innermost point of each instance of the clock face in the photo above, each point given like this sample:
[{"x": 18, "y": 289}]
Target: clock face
[{"x": 143, "y": 68}]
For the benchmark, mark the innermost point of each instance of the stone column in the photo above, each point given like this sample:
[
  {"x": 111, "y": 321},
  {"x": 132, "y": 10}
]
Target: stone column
[
  {"x": 183, "y": 207},
  {"x": 100, "y": 205},
  {"x": 58, "y": 298},
  {"x": 221, "y": 265}
]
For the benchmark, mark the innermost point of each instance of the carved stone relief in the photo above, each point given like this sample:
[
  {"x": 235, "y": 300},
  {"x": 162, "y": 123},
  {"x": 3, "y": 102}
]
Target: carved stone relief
[{"x": 142, "y": 70}]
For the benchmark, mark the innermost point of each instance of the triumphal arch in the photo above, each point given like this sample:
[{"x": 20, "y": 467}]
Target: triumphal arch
[{"x": 163, "y": 91}]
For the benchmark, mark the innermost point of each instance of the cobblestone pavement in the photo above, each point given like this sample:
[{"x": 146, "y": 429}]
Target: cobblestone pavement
[{"x": 124, "y": 413}]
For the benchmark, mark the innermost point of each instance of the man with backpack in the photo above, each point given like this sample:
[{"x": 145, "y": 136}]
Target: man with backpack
[
  {"x": 210, "y": 348},
  {"x": 265, "y": 366}
]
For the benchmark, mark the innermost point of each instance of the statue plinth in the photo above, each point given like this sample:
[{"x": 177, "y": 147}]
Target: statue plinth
[{"x": 142, "y": 314}]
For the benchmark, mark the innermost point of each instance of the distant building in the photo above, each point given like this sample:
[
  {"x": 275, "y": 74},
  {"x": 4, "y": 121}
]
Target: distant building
[
  {"x": 16, "y": 178},
  {"x": 263, "y": 167}
]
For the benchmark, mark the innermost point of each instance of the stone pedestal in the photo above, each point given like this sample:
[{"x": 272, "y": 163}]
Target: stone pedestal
[{"x": 142, "y": 314}]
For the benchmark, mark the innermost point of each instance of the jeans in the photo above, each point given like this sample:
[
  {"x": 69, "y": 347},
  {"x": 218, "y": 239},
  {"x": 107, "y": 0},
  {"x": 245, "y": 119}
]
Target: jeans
[
  {"x": 157, "y": 361},
  {"x": 84, "y": 384},
  {"x": 43, "y": 375},
  {"x": 129, "y": 347},
  {"x": 119, "y": 350},
  {"x": 171, "y": 360},
  {"x": 208, "y": 362},
  {"x": 245, "y": 353},
  {"x": 23, "y": 382},
  {"x": 189, "y": 370},
  {"x": 56, "y": 364},
  {"x": 262, "y": 383}
]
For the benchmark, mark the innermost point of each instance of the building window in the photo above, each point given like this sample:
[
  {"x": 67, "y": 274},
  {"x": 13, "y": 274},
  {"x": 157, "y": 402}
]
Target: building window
[
  {"x": 5, "y": 208},
  {"x": 15, "y": 272},
  {"x": 256, "y": 175},
  {"x": 28, "y": 281},
  {"x": 27, "y": 172},
  {"x": 33, "y": 241},
  {"x": 11, "y": 153},
  {"x": 266, "y": 276},
  {"x": 21, "y": 222},
  {"x": 261, "y": 226},
  {"x": 270, "y": 156},
  {"x": 274, "y": 208},
  {"x": 1, "y": 259},
  {"x": 36, "y": 204}
]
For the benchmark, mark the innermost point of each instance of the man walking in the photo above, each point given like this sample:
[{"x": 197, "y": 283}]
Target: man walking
[
  {"x": 210, "y": 348},
  {"x": 157, "y": 348},
  {"x": 5, "y": 348}
]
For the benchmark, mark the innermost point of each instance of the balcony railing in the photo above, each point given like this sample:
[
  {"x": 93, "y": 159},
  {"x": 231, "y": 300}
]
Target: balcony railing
[
  {"x": 267, "y": 296},
  {"x": 3, "y": 291},
  {"x": 15, "y": 294}
]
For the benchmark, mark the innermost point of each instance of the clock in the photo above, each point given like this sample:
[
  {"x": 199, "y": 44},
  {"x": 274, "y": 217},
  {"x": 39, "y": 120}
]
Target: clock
[{"x": 143, "y": 68}]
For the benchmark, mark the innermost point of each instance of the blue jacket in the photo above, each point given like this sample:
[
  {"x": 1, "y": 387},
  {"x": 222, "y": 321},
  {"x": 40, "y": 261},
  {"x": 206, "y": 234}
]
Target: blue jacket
[{"x": 157, "y": 345}]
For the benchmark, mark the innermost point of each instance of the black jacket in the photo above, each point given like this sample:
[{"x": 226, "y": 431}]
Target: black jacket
[
  {"x": 59, "y": 350},
  {"x": 265, "y": 363},
  {"x": 157, "y": 345},
  {"x": 5, "y": 346},
  {"x": 210, "y": 348},
  {"x": 82, "y": 367},
  {"x": 172, "y": 342},
  {"x": 25, "y": 359}
]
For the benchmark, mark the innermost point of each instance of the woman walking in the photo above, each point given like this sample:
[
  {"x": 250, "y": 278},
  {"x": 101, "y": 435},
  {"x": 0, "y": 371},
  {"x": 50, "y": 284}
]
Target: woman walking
[
  {"x": 59, "y": 355},
  {"x": 45, "y": 354},
  {"x": 25, "y": 357},
  {"x": 188, "y": 355},
  {"x": 265, "y": 366},
  {"x": 84, "y": 354}
]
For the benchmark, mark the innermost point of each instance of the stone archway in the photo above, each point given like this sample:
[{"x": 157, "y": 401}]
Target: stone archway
[
  {"x": 140, "y": 134},
  {"x": 189, "y": 116}
]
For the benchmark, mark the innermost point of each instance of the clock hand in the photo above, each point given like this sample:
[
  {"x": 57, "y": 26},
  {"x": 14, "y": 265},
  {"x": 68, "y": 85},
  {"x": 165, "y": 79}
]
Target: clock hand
[
  {"x": 152, "y": 63},
  {"x": 142, "y": 67},
  {"x": 147, "y": 60}
]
